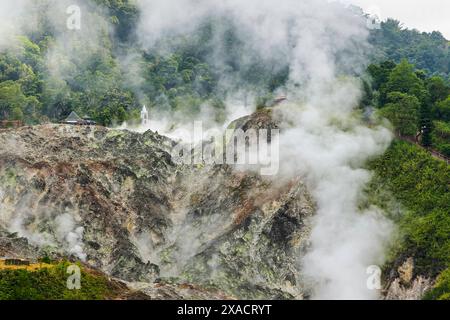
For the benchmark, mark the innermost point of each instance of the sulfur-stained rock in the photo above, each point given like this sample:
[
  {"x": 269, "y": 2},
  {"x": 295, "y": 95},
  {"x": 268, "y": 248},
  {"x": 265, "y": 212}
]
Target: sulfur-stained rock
[{"x": 116, "y": 200}]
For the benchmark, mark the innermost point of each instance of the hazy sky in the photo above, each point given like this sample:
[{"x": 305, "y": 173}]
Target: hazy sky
[{"x": 424, "y": 15}]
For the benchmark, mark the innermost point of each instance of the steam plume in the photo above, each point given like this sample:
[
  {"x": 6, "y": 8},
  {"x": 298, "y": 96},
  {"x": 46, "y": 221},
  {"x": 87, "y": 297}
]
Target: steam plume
[{"x": 324, "y": 45}]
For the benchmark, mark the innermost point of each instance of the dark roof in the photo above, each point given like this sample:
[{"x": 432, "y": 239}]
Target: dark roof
[{"x": 73, "y": 117}]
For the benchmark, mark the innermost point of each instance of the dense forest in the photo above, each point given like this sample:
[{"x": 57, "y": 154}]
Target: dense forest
[
  {"x": 43, "y": 78},
  {"x": 96, "y": 81},
  {"x": 420, "y": 182},
  {"x": 417, "y": 105},
  {"x": 427, "y": 51}
]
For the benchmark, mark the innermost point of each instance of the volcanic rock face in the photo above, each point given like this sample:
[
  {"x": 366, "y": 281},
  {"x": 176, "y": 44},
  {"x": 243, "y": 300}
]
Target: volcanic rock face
[
  {"x": 116, "y": 200},
  {"x": 407, "y": 286}
]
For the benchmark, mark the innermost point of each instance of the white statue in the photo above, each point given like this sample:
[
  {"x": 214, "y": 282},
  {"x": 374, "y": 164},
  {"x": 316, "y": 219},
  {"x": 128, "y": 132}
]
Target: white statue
[{"x": 144, "y": 116}]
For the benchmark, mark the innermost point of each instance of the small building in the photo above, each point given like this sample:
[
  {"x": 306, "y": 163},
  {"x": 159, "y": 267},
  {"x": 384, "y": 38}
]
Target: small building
[
  {"x": 75, "y": 119},
  {"x": 144, "y": 116},
  {"x": 279, "y": 100}
]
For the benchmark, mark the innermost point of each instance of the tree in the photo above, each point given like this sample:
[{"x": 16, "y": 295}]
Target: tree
[
  {"x": 16, "y": 113},
  {"x": 380, "y": 73},
  {"x": 12, "y": 100},
  {"x": 403, "y": 112},
  {"x": 441, "y": 137},
  {"x": 437, "y": 89},
  {"x": 442, "y": 110},
  {"x": 428, "y": 51},
  {"x": 367, "y": 95},
  {"x": 403, "y": 79}
]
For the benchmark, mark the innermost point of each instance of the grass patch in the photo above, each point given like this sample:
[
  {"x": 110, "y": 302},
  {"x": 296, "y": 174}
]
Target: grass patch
[{"x": 50, "y": 283}]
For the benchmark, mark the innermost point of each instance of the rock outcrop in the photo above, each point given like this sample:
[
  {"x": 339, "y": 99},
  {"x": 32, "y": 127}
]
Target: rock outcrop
[
  {"x": 116, "y": 200},
  {"x": 407, "y": 285}
]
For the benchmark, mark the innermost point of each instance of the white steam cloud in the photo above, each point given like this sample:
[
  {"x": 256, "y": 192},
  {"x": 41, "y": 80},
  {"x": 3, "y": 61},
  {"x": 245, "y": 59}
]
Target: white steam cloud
[
  {"x": 344, "y": 241},
  {"x": 42, "y": 230},
  {"x": 70, "y": 235},
  {"x": 42, "y": 227},
  {"x": 12, "y": 22}
]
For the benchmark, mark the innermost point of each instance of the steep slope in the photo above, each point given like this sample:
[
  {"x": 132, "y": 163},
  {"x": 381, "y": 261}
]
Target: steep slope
[
  {"x": 413, "y": 188},
  {"x": 116, "y": 200}
]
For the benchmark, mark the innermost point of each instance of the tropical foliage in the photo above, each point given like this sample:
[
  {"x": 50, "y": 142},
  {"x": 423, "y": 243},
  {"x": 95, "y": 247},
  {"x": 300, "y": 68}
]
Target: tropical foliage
[
  {"x": 421, "y": 184},
  {"x": 416, "y": 105},
  {"x": 427, "y": 51}
]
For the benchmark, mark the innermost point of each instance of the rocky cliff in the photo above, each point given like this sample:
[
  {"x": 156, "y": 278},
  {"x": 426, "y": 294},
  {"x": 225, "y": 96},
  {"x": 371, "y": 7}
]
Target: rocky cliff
[{"x": 117, "y": 201}]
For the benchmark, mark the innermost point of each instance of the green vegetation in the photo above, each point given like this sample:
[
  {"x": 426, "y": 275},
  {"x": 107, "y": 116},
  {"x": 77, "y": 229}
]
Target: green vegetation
[
  {"x": 416, "y": 105},
  {"x": 441, "y": 137},
  {"x": 105, "y": 74},
  {"x": 441, "y": 290},
  {"x": 43, "y": 79},
  {"x": 51, "y": 284},
  {"x": 403, "y": 111},
  {"x": 421, "y": 184},
  {"x": 427, "y": 51}
]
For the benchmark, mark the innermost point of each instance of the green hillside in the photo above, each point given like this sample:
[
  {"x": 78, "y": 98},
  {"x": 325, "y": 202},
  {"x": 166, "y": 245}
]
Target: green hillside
[{"x": 421, "y": 184}]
